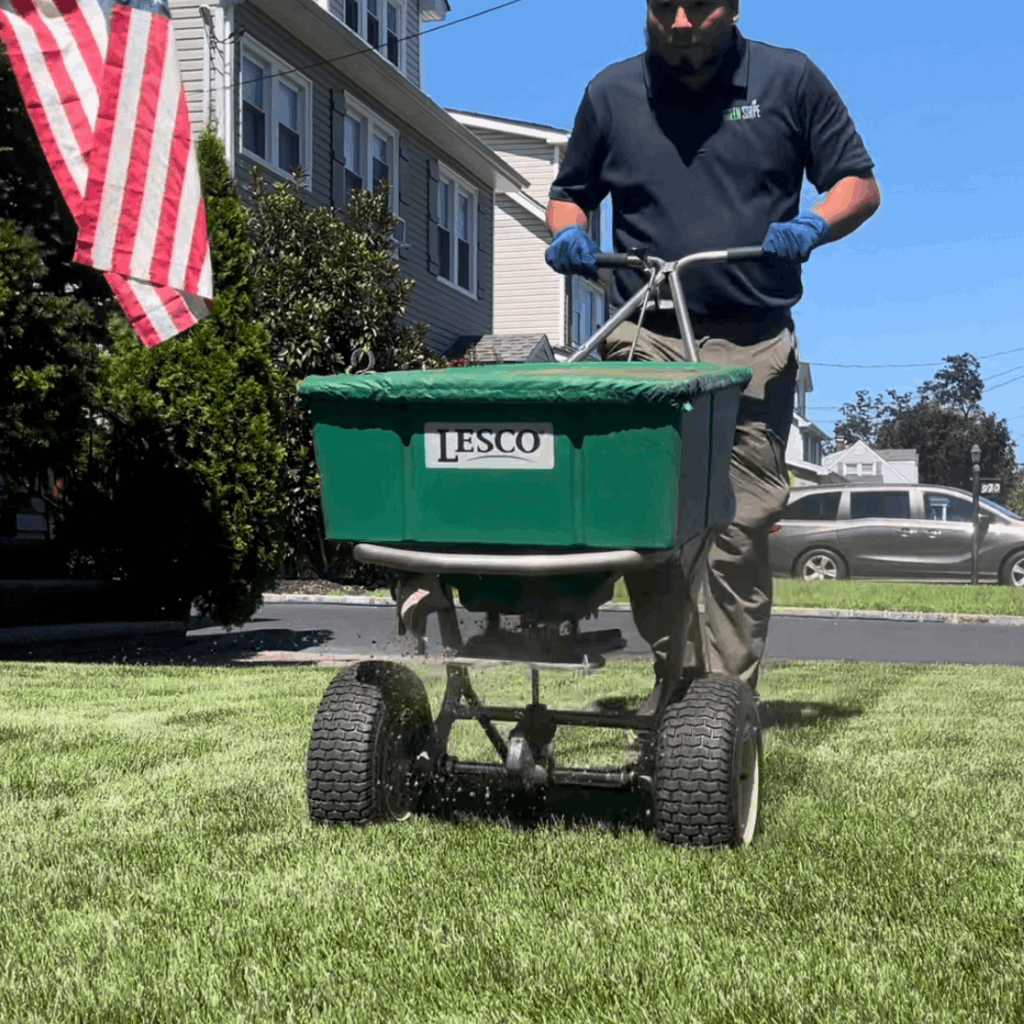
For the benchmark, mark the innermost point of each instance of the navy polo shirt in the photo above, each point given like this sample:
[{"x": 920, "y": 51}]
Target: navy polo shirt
[{"x": 692, "y": 170}]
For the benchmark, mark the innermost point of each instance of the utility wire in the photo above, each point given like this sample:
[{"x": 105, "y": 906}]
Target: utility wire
[
  {"x": 1003, "y": 383},
  {"x": 904, "y": 366},
  {"x": 383, "y": 45}
]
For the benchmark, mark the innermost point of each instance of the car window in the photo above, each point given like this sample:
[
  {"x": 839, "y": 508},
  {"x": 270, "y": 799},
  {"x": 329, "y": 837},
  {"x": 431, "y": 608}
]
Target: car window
[
  {"x": 999, "y": 508},
  {"x": 880, "y": 505},
  {"x": 947, "y": 508},
  {"x": 814, "y": 506}
]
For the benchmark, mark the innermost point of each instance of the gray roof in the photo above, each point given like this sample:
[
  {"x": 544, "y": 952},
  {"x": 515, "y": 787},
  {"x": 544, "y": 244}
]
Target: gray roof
[
  {"x": 897, "y": 454},
  {"x": 503, "y": 348}
]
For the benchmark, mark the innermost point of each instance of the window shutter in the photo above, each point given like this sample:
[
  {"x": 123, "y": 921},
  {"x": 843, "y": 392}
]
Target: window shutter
[
  {"x": 433, "y": 178},
  {"x": 481, "y": 234},
  {"x": 403, "y": 170},
  {"x": 337, "y": 148}
]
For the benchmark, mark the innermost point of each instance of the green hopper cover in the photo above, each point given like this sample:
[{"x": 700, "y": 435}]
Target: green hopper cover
[{"x": 591, "y": 383}]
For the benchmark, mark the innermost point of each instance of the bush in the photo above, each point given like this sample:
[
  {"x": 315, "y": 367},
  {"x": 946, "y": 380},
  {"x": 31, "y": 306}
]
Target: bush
[
  {"x": 328, "y": 288},
  {"x": 184, "y": 489}
]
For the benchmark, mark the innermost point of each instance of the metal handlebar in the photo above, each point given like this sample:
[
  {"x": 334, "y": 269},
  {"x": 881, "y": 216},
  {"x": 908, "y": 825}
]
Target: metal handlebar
[{"x": 658, "y": 271}]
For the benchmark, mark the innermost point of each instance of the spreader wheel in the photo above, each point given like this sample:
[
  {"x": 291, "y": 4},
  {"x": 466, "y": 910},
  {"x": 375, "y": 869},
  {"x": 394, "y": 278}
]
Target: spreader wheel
[
  {"x": 708, "y": 766},
  {"x": 372, "y": 723}
]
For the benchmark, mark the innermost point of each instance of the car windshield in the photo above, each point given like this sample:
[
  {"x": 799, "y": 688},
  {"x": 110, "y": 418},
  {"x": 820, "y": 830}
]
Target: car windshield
[{"x": 999, "y": 508}]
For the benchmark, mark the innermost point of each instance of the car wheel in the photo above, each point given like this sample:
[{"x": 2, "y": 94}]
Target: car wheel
[
  {"x": 820, "y": 564},
  {"x": 1013, "y": 570}
]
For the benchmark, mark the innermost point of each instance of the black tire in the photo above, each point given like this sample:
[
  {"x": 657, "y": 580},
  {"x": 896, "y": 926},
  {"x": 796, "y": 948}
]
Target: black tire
[
  {"x": 373, "y": 721},
  {"x": 708, "y": 766},
  {"x": 820, "y": 564},
  {"x": 1012, "y": 574}
]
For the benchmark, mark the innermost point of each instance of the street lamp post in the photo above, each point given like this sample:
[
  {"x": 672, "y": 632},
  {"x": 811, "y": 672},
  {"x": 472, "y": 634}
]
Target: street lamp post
[{"x": 976, "y": 469}]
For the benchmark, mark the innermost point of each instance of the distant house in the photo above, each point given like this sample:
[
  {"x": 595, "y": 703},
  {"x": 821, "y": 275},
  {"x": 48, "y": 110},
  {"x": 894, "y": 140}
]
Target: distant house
[
  {"x": 861, "y": 462},
  {"x": 292, "y": 82},
  {"x": 528, "y": 295},
  {"x": 804, "y": 453}
]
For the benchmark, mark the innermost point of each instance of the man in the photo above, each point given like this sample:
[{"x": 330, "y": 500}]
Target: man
[{"x": 702, "y": 142}]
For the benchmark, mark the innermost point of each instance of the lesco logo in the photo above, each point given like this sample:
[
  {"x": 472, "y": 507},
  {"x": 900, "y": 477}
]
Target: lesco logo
[{"x": 489, "y": 445}]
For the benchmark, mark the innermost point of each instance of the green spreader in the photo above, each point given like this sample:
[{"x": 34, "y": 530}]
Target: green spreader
[
  {"x": 585, "y": 455},
  {"x": 528, "y": 490}
]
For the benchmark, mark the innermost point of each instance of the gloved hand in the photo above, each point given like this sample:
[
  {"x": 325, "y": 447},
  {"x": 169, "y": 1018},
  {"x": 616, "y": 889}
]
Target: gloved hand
[
  {"x": 794, "y": 239},
  {"x": 572, "y": 251}
]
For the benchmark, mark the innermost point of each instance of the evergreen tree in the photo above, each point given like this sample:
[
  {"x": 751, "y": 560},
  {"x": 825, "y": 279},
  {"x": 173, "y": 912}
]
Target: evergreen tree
[{"x": 185, "y": 492}]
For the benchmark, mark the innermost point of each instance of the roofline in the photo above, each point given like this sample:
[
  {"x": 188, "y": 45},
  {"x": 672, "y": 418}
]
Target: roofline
[
  {"x": 531, "y": 206},
  {"x": 525, "y": 129},
  {"x": 322, "y": 33}
]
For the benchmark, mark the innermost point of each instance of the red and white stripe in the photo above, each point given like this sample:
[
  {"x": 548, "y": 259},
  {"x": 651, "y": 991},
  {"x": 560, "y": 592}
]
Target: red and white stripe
[{"x": 111, "y": 115}]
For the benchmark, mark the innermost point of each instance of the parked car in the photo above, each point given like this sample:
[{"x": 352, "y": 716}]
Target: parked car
[{"x": 886, "y": 531}]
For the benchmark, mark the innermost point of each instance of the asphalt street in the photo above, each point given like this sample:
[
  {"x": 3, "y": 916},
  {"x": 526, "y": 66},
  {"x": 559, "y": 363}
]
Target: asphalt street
[{"x": 324, "y": 629}]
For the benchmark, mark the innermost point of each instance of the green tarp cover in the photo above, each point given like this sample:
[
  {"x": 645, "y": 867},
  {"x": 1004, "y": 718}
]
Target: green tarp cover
[{"x": 592, "y": 383}]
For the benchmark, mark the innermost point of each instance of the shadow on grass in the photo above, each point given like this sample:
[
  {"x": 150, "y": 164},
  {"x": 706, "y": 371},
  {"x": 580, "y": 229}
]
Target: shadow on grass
[
  {"x": 575, "y": 807},
  {"x": 613, "y": 811},
  {"x": 216, "y": 649}
]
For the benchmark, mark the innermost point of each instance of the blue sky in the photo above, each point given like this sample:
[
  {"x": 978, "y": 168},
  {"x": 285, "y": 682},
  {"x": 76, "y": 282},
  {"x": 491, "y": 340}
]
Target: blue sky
[{"x": 935, "y": 89}]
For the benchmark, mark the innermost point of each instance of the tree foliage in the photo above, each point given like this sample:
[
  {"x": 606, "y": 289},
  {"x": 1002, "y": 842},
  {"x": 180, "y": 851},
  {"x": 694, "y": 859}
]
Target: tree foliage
[
  {"x": 184, "y": 493},
  {"x": 48, "y": 331},
  {"x": 958, "y": 385},
  {"x": 942, "y": 425},
  {"x": 332, "y": 295}
]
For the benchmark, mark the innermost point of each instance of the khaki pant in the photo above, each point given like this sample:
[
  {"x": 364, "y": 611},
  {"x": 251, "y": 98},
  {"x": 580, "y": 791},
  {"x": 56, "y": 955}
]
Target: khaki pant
[{"x": 725, "y": 577}]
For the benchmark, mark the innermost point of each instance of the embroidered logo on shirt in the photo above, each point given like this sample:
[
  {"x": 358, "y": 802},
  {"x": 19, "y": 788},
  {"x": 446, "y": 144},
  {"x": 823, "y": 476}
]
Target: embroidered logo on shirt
[{"x": 747, "y": 113}]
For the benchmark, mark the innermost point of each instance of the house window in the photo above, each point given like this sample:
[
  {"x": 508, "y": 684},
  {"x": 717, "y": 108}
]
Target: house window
[
  {"x": 456, "y": 232},
  {"x": 254, "y": 107},
  {"x": 276, "y": 125},
  {"x": 379, "y": 22},
  {"x": 587, "y": 311},
  {"x": 371, "y": 147},
  {"x": 812, "y": 450}
]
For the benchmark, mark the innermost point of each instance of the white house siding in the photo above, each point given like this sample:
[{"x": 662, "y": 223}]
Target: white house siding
[
  {"x": 527, "y": 293},
  {"x": 532, "y": 158},
  {"x": 192, "y": 47}
]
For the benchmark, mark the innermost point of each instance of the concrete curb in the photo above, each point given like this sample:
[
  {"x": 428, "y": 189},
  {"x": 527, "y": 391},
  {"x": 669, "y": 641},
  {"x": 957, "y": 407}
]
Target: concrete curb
[{"x": 808, "y": 613}]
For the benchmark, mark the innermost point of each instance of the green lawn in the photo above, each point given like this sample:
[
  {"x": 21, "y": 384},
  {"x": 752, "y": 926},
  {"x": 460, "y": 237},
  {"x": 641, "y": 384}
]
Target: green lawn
[
  {"x": 866, "y": 596},
  {"x": 907, "y": 597},
  {"x": 158, "y": 865}
]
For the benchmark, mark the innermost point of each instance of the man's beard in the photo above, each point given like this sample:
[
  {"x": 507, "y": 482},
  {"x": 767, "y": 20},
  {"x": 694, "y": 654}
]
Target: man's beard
[{"x": 685, "y": 66}]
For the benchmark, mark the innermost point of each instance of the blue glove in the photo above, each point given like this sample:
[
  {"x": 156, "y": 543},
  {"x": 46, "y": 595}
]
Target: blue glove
[
  {"x": 572, "y": 252},
  {"x": 794, "y": 239}
]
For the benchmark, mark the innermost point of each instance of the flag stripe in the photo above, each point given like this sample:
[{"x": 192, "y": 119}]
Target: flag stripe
[
  {"x": 42, "y": 101},
  {"x": 107, "y": 103},
  {"x": 142, "y": 162},
  {"x": 148, "y": 231},
  {"x": 90, "y": 46},
  {"x": 78, "y": 114},
  {"x": 190, "y": 203},
  {"x": 177, "y": 165},
  {"x": 115, "y": 124}
]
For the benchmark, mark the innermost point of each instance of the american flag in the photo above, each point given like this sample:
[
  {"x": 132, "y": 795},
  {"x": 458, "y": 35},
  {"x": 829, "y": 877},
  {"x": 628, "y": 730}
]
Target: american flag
[{"x": 100, "y": 82}]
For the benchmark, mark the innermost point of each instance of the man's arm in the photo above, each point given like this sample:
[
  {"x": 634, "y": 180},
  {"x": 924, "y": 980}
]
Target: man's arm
[
  {"x": 849, "y": 203},
  {"x": 563, "y": 214}
]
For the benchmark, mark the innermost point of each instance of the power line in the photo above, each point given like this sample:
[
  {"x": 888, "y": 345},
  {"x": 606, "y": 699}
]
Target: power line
[
  {"x": 1003, "y": 373},
  {"x": 1003, "y": 383},
  {"x": 383, "y": 45},
  {"x": 907, "y": 366}
]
